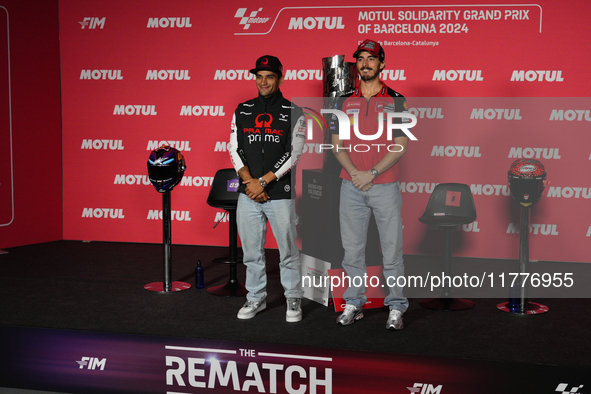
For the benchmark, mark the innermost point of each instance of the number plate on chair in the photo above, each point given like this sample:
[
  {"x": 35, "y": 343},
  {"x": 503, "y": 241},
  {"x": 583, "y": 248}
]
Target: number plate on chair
[
  {"x": 453, "y": 198},
  {"x": 233, "y": 185}
]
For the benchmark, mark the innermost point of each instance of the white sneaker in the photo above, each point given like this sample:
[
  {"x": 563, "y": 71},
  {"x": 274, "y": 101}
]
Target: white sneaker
[
  {"x": 294, "y": 310},
  {"x": 251, "y": 308},
  {"x": 350, "y": 314},
  {"x": 394, "y": 321}
]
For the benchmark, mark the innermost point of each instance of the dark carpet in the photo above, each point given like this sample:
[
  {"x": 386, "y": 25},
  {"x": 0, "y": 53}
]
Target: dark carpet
[{"x": 99, "y": 286}]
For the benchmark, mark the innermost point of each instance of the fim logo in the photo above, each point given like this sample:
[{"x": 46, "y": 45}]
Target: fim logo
[
  {"x": 93, "y": 23},
  {"x": 562, "y": 389},
  {"x": 92, "y": 363},
  {"x": 424, "y": 388}
]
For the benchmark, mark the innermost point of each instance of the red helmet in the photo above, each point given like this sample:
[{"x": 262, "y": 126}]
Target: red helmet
[{"x": 527, "y": 181}]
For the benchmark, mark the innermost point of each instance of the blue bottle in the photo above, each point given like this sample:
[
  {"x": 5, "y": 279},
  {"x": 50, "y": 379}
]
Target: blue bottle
[{"x": 199, "y": 276}]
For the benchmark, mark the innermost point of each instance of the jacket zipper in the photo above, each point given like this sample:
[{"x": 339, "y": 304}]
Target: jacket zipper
[{"x": 263, "y": 140}]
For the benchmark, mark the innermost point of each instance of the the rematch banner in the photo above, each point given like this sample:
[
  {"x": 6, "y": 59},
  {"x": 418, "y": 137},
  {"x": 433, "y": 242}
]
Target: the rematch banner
[
  {"x": 488, "y": 84},
  {"x": 71, "y": 361}
]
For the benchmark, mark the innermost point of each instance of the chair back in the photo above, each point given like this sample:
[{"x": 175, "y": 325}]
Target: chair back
[
  {"x": 224, "y": 189},
  {"x": 450, "y": 204}
]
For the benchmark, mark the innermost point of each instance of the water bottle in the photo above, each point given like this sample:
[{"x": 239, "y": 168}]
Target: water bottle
[
  {"x": 199, "y": 275},
  {"x": 514, "y": 303}
]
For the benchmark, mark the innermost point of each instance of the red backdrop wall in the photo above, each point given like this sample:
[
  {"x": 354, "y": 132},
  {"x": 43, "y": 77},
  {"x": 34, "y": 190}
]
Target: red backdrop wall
[
  {"x": 30, "y": 117},
  {"x": 136, "y": 74}
]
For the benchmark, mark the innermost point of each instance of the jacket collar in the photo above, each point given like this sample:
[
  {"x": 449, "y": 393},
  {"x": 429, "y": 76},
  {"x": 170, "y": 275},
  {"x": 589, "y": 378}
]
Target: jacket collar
[
  {"x": 271, "y": 100},
  {"x": 381, "y": 93}
]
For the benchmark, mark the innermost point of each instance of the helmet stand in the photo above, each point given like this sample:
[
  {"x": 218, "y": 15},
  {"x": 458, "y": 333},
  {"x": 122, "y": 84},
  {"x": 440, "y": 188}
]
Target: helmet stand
[
  {"x": 519, "y": 304},
  {"x": 167, "y": 286}
]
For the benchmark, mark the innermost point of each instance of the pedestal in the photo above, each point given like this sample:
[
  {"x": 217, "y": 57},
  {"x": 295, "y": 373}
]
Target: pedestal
[
  {"x": 167, "y": 286},
  {"x": 518, "y": 304}
]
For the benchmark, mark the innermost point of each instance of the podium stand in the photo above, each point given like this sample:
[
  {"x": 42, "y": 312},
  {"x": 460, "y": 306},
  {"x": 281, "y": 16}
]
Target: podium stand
[{"x": 167, "y": 286}]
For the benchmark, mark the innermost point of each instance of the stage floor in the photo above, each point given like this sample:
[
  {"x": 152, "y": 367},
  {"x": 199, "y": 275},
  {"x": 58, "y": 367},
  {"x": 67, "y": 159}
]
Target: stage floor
[{"x": 99, "y": 287}]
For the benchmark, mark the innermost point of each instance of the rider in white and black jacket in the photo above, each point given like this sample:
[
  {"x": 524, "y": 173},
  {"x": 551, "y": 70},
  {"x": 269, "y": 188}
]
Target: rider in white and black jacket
[
  {"x": 266, "y": 142},
  {"x": 268, "y": 134}
]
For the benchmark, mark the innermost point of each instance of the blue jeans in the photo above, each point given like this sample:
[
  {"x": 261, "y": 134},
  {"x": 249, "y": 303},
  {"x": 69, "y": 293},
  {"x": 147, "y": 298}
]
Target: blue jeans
[
  {"x": 355, "y": 211},
  {"x": 252, "y": 220}
]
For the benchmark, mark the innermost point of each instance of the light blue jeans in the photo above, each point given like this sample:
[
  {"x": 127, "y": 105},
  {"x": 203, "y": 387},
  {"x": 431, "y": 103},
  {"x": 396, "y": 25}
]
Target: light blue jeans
[
  {"x": 355, "y": 211},
  {"x": 252, "y": 220}
]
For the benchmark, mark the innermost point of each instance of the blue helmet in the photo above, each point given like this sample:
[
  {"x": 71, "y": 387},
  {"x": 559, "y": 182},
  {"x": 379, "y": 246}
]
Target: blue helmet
[{"x": 166, "y": 166}]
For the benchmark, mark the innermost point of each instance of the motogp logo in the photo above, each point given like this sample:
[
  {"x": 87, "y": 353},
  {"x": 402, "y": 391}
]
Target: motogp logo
[{"x": 249, "y": 19}]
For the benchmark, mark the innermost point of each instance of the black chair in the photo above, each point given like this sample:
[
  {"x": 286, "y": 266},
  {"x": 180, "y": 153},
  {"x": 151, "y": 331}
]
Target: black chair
[
  {"x": 223, "y": 195},
  {"x": 450, "y": 205}
]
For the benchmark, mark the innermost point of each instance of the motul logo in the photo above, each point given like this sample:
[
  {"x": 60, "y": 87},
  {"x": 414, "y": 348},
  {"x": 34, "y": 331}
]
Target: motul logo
[
  {"x": 571, "y": 114},
  {"x": 169, "y": 22},
  {"x": 489, "y": 190},
  {"x": 103, "y": 213},
  {"x": 456, "y": 151},
  {"x": 392, "y": 75},
  {"x": 535, "y": 229},
  {"x": 221, "y": 146},
  {"x": 494, "y": 113},
  {"x": 222, "y": 75},
  {"x": 202, "y": 110},
  {"x": 417, "y": 187},
  {"x": 534, "y": 153},
  {"x": 180, "y": 216},
  {"x": 146, "y": 110},
  {"x": 102, "y": 144},
  {"x": 178, "y": 145},
  {"x": 470, "y": 227},
  {"x": 303, "y": 75},
  {"x": 289, "y": 75},
  {"x": 197, "y": 181},
  {"x": 570, "y": 192},
  {"x": 312, "y": 148},
  {"x": 122, "y": 179},
  {"x": 101, "y": 74},
  {"x": 221, "y": 217},
  {"x": 168, "y": 75},
  {"x": 317, "y": 23},
  {"x": 458, "y": 75},
  {"x": 428, "y": 113},
  {"x": 537, "y": 76}
]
